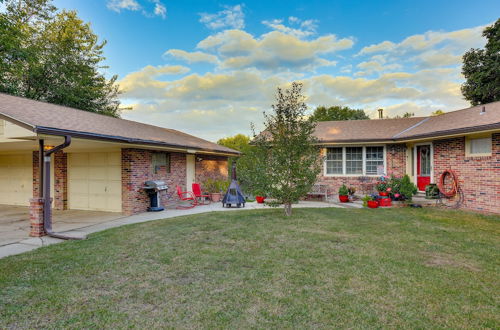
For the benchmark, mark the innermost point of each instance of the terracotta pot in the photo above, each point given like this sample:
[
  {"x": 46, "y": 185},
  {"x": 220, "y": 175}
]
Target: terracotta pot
[
  {"x": 260, "y": 199},
  {"x": 344, "y": 198},
  {"x": 384, "y": 202},
  {"x": 372, "y": 204},
  {"x": 215, "y": 197},
  {"x": 383, "y": 193}
]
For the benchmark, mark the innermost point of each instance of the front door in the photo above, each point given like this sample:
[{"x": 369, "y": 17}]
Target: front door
[
  {"x": 190, "y": 171},
  {"x": 423, "y": 166}
]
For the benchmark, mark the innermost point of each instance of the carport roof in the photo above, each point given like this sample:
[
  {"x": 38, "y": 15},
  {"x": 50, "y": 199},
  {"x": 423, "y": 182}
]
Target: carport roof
[{"x": 47, "y": 118}]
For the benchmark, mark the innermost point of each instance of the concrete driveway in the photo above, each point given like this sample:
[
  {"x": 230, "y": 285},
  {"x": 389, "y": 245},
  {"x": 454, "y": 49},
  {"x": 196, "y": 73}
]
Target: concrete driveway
[{"x": 15, "y": 224}]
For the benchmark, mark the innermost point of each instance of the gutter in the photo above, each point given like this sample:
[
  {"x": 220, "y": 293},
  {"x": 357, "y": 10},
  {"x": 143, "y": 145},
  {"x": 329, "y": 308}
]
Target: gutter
[
  {"x": 45, "y": 186},
  {"x": 105, "y": 137}
]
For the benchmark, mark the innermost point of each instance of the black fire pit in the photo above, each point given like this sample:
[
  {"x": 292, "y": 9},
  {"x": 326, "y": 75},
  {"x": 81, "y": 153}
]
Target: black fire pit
[{"x": 233, "y": 196}]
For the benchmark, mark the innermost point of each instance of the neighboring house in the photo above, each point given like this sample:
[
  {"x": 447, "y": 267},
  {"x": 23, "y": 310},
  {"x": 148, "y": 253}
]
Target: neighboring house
[
  {"x": 466, "y": 141},
  {"x": 105, "y": 166}
]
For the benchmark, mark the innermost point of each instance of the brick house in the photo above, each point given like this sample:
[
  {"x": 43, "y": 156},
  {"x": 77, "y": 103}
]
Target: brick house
[
  {"x": 466, "y": 141},
  {"x": 105, "y": 166}
]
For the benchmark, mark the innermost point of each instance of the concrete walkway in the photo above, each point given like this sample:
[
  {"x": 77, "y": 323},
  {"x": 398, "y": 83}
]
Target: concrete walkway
[{"x": 32, "y": 243}]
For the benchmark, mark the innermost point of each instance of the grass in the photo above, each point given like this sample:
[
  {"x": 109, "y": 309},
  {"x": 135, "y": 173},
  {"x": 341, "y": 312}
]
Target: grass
[{"x": 321, "y": 268}]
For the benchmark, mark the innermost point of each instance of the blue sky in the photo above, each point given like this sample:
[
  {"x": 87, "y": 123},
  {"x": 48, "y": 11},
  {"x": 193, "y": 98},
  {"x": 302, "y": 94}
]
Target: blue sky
[{"x": 210, "y": 68}]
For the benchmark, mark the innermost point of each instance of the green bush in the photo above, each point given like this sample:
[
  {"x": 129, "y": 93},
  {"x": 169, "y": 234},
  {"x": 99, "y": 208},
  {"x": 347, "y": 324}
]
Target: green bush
[
  {"x": 343, "y": 191},
  {"x": 408, "y": 188}
]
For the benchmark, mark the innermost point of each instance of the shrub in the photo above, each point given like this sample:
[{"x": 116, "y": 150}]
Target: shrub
[
  {"x": 408, "y": 189},
  {"x": 343, "y": 191}
]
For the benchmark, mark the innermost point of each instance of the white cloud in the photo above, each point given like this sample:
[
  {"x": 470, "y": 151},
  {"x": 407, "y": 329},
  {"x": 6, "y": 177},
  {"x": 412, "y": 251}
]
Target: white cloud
[
  {"x": 160, "y": 9},
  {"x": 192, "y": 57},
  {"x": 301, "y": 29},
  {"x": 230, "y": 17},
  {"x": 273, "y": 51},
  {"x": 119, "y": 5}
]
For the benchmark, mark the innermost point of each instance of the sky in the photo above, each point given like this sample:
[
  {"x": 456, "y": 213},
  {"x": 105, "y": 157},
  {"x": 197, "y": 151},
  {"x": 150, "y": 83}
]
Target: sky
[{"x": 210, "y": 68}]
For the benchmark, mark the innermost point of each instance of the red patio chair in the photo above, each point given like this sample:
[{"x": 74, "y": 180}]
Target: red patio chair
[
  {"x": 186, "y": 196},
  {"x": 201, "y": 198}
]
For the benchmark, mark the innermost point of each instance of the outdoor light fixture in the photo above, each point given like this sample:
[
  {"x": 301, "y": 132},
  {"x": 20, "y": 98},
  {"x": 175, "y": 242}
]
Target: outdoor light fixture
[{"x": 47, "y": 147}]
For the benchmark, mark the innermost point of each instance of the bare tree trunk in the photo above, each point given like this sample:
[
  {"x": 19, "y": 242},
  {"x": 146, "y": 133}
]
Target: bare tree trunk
[{"x": 288, "y": 209}]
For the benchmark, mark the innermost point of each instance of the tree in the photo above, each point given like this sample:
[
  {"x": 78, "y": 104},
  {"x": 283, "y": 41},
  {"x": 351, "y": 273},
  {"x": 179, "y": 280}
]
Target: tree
[
  {"x": 405, "y": 115},
  {"x": 238, "y": 142},
  {"x": 53, "y": 57},
  {"x": 338, "y": 113},
  {"x": 437, "y": 113},
  {"x": 288, "y": 155},
  {"x": 481, "y": 69}
]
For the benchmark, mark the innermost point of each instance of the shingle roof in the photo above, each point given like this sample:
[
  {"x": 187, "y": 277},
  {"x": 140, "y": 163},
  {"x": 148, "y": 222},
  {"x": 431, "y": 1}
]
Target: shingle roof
[
  {"x": 46, "y": 118},
  {"x": 454, "y": 122}
]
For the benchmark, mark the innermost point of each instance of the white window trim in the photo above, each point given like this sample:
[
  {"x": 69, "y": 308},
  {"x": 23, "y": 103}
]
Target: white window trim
[
  {"x": 344, "y": 166},
  {"x": 468, "y": 145}
]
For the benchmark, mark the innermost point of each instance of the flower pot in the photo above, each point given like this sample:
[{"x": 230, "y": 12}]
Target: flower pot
[
  {"x": 384, "y": 202},
  {"x": 215, "y": 197},
  {"x": 344, "y": 198},
  {"x": 260, "y": 199},
  {"x": 383, "y": 193},
  {"x": 372, "y": 204}
]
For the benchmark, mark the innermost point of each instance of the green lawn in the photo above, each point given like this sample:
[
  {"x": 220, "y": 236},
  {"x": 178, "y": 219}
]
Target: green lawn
[{"x": 322, "y": 268}]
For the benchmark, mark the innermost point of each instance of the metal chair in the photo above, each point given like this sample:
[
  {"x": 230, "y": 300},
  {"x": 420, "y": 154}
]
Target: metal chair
[
  {"x": 200, "y": 197},
  {"x": 186, "y": 196}
]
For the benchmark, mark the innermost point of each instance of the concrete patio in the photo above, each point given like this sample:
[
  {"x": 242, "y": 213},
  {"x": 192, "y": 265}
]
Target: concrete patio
[{"x": 14, "y": 222}]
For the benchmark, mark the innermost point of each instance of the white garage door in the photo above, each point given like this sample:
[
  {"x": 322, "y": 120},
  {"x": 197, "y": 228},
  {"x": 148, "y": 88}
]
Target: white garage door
[
  {"x": 16, "y": 179},
  {"x": 95, "y": 181}
]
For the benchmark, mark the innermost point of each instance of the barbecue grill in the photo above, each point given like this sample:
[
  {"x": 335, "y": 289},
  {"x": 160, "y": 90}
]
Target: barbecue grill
[
  {"x": 153, "y": 189},
  {"x": 233, "y": 196}
]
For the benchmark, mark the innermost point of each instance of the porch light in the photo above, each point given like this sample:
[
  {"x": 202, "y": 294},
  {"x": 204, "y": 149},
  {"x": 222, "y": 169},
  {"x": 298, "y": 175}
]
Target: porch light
[{"x": 46, "y": 147}]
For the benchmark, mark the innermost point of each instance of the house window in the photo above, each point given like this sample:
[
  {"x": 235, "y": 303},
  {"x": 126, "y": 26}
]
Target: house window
[
  {"x": 354, "y": 160},
  {"x": 161, "y": 160},
  {"x": 334, "y": 161},
  {"x": 480, "y": 146},
  {"x": 374, "y": 158}
]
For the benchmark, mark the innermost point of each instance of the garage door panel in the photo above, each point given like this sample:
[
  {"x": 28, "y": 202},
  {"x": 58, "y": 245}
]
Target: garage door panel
[
  {"x": 16, "y": 179},
  {"x": 102, "y": 183}
]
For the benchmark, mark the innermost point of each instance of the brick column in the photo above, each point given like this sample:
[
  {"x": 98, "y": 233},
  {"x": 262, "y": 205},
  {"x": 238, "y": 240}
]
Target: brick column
[
  {"x": 36, "y": 217},
  {"x": 60, "y": 180}
]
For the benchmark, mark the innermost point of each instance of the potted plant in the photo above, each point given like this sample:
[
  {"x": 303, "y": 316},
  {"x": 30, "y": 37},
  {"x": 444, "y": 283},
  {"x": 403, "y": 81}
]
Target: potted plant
[
  {"x": 343, "y": 194},
  {"x": 370, "y": 201},
  {"x": 382, "y": 188},
  {"x": 215, "y": 188}
]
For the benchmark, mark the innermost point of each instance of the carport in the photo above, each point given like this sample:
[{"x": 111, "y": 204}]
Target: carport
[{"x": 15, "y": 222}]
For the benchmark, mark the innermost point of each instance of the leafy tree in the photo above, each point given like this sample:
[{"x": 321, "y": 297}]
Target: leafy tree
[
  {"x": 238, "y": 142},
  {"x": 405, "y": 115},
  {"x": 288, "y": 156},
  {"x": 53, "y": 57},
  {"x": 437, "y": 113},
  {"x": 481, "y": 69},
  {"x": 338, "y": 113}
]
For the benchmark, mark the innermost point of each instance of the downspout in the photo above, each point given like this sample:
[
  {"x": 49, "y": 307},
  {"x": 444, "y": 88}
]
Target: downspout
[{"x": 45, "y": 186}]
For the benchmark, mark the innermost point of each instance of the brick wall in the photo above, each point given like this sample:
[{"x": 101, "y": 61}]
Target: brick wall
[
  {"x": 396, "y": 165},
  {"x": 214, "y": 167},
  {"x": 479, "y": 177},
  {"x": 137, "y": 168},
  {"x": 60, "y": 184}
]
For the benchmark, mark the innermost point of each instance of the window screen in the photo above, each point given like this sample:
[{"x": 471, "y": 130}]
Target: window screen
[
  {"x": 480, "y": 146},
  {"x": 159, "y": 160},
  {"x": 354, "y": 160},
  {"x": 374, "y": 158},
  {"x": 334, "y": 161}
]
